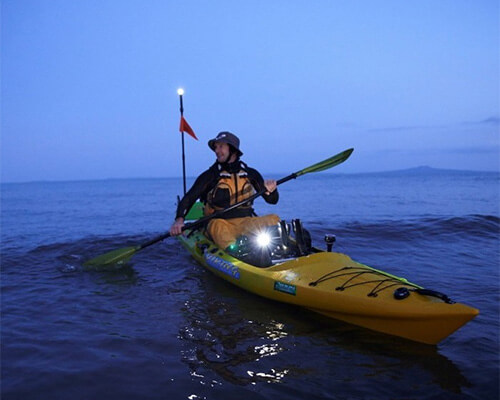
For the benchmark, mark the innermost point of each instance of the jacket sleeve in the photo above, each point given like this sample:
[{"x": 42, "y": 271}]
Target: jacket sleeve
[
  {"x": 258, "y": 183},
  {"x": 199, "y": 188}
]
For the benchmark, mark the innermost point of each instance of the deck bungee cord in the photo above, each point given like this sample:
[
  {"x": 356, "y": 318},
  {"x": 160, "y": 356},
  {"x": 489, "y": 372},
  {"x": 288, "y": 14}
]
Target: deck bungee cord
[{"x": 356, "y": 272}]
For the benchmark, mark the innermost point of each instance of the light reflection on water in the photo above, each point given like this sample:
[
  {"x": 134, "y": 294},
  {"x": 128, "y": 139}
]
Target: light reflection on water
[
  {"x": 239, "y": 339},
  {"x": 223, "y": 344},
  {"x": 271, "y": 377},
  {"x": 230, "y": 356}
]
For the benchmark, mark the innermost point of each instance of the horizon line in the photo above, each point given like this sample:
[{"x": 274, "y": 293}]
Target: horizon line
[{"x": 422, "y": 168}]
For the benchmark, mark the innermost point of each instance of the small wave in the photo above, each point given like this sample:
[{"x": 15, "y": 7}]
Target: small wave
[
  {"x": 69, "y": 256},
  {"x": 477, "y": 225},
  {"x": 483, "y": 226}
]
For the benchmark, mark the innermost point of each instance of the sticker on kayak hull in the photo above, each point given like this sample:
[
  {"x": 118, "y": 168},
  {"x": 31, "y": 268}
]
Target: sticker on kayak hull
[
  {"x": 222, "y": 265},
  {"x": 285, "y": 288}
]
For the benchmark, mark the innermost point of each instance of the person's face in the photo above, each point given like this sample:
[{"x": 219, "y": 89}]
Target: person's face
[{"x": 222, "y": 151}]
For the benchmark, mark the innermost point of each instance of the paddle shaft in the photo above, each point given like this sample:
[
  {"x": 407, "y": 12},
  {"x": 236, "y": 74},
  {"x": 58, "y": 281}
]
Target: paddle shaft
[
  {"x": 124, "y": 254},
  {"x": 217, "y": 214}
]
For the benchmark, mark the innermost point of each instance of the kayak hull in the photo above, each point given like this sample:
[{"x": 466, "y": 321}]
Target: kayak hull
[{"x": 333, "y": 285}]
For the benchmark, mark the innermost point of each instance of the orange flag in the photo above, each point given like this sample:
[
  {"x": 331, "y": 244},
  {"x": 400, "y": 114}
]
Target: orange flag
[{"x": 184, "y": 127}]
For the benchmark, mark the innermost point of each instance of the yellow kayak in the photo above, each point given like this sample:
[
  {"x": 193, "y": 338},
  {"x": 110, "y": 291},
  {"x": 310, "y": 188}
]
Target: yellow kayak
[{"x": 334, "y": 285}]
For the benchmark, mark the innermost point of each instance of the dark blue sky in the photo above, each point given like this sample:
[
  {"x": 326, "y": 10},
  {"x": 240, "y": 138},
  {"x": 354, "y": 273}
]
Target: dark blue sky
[{"x": 89, "y": 86}]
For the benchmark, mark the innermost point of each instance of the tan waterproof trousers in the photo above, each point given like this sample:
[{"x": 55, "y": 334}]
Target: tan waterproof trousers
[{"x": 225, "y": 231}]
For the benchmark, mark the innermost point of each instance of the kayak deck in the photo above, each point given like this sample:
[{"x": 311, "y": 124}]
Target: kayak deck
[{"x": 334, "y": 285}]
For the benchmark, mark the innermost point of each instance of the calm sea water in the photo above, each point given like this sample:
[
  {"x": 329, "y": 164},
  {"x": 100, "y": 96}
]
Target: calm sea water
[{"x": 163, "y": 327}]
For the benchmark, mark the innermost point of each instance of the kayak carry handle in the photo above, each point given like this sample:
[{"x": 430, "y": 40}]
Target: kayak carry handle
[{"x": 433, "y": 293}]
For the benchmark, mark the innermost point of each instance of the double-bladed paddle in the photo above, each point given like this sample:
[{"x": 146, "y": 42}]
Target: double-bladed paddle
[{"x": 121, "y": 256}]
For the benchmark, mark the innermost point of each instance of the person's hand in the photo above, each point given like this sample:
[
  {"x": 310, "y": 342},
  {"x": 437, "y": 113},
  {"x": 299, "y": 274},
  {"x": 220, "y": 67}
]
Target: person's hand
[
  {"x": 176, "y": 228},
  {"x": 270, "y": 185}
]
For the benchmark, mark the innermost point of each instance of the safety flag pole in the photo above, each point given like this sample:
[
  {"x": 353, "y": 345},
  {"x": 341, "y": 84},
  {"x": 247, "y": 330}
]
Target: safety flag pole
[
  {"x": 180, "y": 92},
  {"x": 184, "y": 127}
]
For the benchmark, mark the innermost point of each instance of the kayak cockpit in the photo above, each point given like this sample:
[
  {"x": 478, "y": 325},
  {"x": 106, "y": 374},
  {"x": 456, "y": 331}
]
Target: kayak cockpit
[{"x": 274, "y": 244}]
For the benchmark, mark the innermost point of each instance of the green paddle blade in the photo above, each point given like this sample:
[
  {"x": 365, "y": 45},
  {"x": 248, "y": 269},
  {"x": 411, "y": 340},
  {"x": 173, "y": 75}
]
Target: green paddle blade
[
  {"x": 117, "y": 257},
  {"x": 328, "y": 163}
]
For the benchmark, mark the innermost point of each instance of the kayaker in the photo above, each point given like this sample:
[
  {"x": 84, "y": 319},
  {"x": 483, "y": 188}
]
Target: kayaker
[{"x": 228, "y": 181}]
